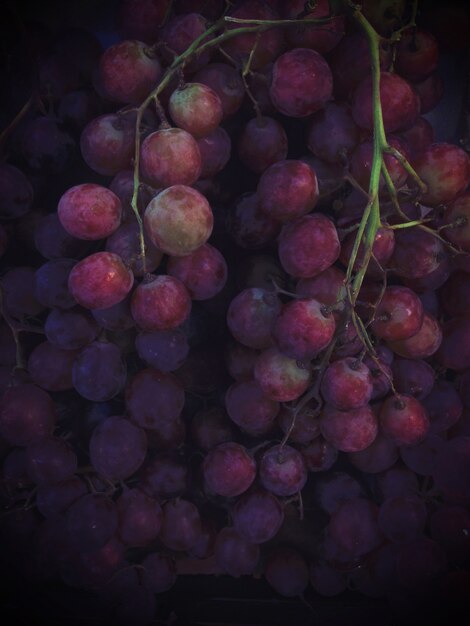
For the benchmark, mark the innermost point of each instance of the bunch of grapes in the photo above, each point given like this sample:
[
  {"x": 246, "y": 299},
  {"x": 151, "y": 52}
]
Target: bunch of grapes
[{"x": 235, "y": 306}]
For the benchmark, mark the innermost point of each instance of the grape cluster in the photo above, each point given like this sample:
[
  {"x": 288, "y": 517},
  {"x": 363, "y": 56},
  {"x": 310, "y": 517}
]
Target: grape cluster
[{"x": 235, "y": 306}]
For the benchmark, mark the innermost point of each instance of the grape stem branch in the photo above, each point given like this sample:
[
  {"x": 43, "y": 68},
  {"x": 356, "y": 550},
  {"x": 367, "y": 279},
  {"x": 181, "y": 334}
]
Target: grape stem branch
[{"x": 208, "y": 39}]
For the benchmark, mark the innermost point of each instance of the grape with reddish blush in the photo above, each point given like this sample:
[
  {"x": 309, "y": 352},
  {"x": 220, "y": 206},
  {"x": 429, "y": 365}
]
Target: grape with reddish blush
[
  {"x": 400, "y": 104},
  {"x": 445, "y": 170},
  {"x": 107, "y": 143},
  {"x": 282, "y": 470},
  {"x": 287, "y": 189},
  {"x": 160, "y": 303},
  {"x": 170, "y": 156},
  {"x": 349, "y": 431},
  {"x": 404, "y": 420},
  {"x": 100, "y": 281},
  {"x": 127, "y": 71},
  {"x": 203, "y": 272},
  {"x": 303, "y": 329},
  {"x": 417, "y": 55},
  {"x": 399, "y": 314},
  {"x": 229, "y": 470},
  {"x": 347, "y": 384},
  {"x": 308, "y": 246},
  {"x": 302, "y": 82}
]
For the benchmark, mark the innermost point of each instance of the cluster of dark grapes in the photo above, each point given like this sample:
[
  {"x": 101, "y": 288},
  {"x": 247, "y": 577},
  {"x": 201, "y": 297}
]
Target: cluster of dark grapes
[{"x": 189, "y": 386}]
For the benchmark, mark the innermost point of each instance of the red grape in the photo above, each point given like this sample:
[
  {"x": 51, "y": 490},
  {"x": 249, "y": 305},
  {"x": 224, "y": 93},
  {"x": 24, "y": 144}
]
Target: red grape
[
  {"x": 302, "y": 82},
  {"x": 404, "y": 420},
  {"x": 107, "y": 143},
  {"x": 282, "y": 470},
  {"x": 203, "y": 272},
  {"x": 303, "y": 329},
  {"x": 101, "y": 280},
  {"x": 445, "y": 170},
  {"x": 308, "y": 246},
  {"x": 170, "y": 156},
  {"x": 349, "y": 431},
  {"x": 347, "y": 384},
  {"x": 400, "y": 104},
  {"x": 287, "y": 189},
  {"x": 127, "y": 71},
  {"x": 160, "y": 303},
  {"x": 229, "y": 469},
  {"x": 399, "y": 314}
]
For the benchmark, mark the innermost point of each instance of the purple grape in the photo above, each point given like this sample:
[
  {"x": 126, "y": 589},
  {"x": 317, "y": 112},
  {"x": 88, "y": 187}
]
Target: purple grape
[
  {"x": 99, "y": 372},
  {"x": 257, "y": 516},
  {"x": 91, "y": 521},
  {"x": 55, "y": 498},
  {"x": 181, "y": 524},
  {"x": 117, "y": 448},
  {"x": 50, "y": 460},
  {"x": 27, "y": 414},
  {"x": 235, "y": 555},
  {"x": 140, "y": 518}
]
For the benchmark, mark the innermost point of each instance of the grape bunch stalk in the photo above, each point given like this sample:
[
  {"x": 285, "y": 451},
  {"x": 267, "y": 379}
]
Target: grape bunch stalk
[{"x": 235, "y": 310}]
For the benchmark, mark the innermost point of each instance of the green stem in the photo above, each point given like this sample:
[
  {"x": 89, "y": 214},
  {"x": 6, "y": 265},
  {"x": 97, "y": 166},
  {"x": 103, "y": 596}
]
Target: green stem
[
  {"x": 406, "y": 224},
  {"x": 370, "y": 222}
]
